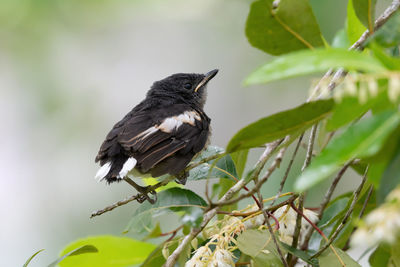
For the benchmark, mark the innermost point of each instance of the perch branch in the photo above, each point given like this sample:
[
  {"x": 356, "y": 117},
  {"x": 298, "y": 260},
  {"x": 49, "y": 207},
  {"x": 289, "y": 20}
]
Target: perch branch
[{"x": 153, "y": 187}]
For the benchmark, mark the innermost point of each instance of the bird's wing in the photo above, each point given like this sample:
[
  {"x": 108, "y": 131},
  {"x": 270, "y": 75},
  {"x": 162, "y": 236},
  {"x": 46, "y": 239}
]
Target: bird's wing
[{"x": 153, "y": 138}]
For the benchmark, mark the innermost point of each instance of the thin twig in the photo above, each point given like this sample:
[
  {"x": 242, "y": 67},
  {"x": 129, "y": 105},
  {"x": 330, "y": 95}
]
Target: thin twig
[
  {"x": 276, "y": 243},
  {"x": 310, "y": 146},
  {"x": 258, "y": 185},
  {"x": 356, "y": 195},
  {"x": 257, "y": 212},
  {"x": 271, "y": 231},
  {"x": 324, "y": 204},
  {"x": 296, "y": 234},
  {"x": 289, "y": 167},
  {"x": 115, "y": 205},
  {"x": 319, "y": 231},
  {"x": 369, "y": 194}
]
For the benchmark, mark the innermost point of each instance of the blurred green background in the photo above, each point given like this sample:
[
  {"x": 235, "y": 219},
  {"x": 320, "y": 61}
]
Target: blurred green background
[{"x": 70, "y": 69}]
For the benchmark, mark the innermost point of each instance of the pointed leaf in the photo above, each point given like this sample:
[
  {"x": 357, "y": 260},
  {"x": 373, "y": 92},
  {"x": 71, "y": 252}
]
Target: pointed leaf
[
  {"x": 175, "y": 199},
  {"x": 279, "y": 125},
  {"x": 240, "y": 159},
  {"x": 156, "y": 257},
  {"x": 391, "y": 176},
  {"x": 381, "y": 256},
  {"x": 329, "y": 259},
  {"x": 300, "y": 254},
  {"x": 365, "y": 11},
  {"x": 313, "y": 61},
  {"x": 259, "y": 245},
  {"x": 281, "y": 30},
  {"x": 224, "y": 168},
  {"x": 112, "y": 251},
  {"x": 75, "y": 252},
  {"x": 341, "y": 40},
  {"x": 354, "y": 27},
  {"x": 362, "y": 139},
  {"x": 31, "y": 257}
]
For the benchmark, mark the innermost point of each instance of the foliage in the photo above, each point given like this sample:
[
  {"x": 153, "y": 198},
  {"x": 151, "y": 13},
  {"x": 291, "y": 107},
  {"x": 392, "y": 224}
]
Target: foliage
[{"x": 355, "y": 108}]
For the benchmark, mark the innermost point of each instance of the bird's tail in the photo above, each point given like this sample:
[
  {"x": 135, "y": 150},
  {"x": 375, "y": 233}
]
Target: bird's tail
[{"x": 115, "y": 169}]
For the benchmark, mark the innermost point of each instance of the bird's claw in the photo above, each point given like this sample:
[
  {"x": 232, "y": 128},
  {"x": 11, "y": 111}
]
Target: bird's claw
[{"x": 143, "y": 196}]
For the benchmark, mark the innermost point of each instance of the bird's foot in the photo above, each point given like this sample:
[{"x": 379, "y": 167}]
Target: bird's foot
[
  {"x": 143, "y": 195},
  {"x": 181, "y": 177},
  {"x": 143, "y": 192}
]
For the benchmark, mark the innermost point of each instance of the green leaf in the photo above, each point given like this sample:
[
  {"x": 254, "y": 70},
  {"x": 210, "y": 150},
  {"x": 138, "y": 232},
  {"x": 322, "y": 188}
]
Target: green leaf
[
  {"x": 156, "y": 232},
  {"x": 224, "y": 168},
  {"x": 194, "y": 217},
  {"x": 279, "y": 125},
  {"x": 259, "y": 245},
  {"x": 75, "y": 250},
  {"x": 313, "y": 61},
  {"x": 379, "y": 162},
  {"x": 112, "y": 251},
  {"x": 240, "y": 159},
  {"x": 354, "y": 27},
  {"x": 175, "y": 199},
  {"x": 156, "y": 257},
  {"x": 360, "y": 140},
  {"x": 391, "y": 63},
  {"x": 346, "y": 111},
  {"x": 279, "y": 31},
  {"x": 31, "y": 257},
  {"x": 300, "y": 254},
  {"x": 395, "y": 253},
  {"x": 341, "y": 40},
  {"x": 380, "y": 257},
  {"x": 389, "y": 34},
  {"x": 365, "y": 11},
  {"x": 333, "y": 211},
  {"x": 153, "y": 181},
  {"x": 329, "y": 259},
  {"x": 391, "y": 176}
]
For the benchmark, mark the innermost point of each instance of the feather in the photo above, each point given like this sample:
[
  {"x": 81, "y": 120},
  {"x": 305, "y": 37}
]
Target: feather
[
  {"x": 129, "y": 164},
  {"x": 103, "y": 171}
]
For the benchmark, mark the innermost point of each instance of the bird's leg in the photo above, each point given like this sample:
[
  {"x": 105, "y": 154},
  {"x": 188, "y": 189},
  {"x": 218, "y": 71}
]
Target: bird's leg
[
  {"x": 181, "y": 177},
  {"x": 143, "y": 190}
]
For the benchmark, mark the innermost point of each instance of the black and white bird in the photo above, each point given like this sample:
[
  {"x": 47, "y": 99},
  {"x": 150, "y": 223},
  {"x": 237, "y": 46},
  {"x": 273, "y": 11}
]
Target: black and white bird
[{"x": 161, "y": 134}]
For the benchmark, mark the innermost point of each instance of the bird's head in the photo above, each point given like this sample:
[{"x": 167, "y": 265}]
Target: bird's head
[{"x": 188, "y": 86}]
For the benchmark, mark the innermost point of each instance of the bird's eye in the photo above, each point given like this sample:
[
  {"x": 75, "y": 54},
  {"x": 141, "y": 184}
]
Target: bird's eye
[{"x": 187, "y": 86}]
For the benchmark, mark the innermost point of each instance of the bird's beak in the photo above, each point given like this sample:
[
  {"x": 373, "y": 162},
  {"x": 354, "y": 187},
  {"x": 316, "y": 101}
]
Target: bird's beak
[{"x": 208, "y": 76}]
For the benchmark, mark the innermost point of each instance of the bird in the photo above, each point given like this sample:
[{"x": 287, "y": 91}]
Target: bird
[{"x": 160, "y": 135}]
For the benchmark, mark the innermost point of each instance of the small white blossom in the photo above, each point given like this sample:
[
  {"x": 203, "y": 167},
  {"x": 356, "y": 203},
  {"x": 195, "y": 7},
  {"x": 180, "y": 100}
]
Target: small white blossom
[
  {"x": 201, "y": 255},
  {"x": 222, "y": 258},
  {"x": 287, "y": 222},
  {"x": 255, "y": 221},
  {"x": 381, "y": 224},
  {"x": 394, "y": 88}
]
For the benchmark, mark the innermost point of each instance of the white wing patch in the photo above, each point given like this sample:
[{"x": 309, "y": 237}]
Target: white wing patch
[
  {"x": 129, "y": 164},
  {"x": 168, "y": 125},
  {"x": 172, "y": 123},
  {"x": 102, "y": 172}
]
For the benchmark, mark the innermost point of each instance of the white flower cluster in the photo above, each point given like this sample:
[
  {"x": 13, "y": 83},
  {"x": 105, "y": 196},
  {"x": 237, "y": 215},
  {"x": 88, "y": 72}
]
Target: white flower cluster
[
  {"x": 221, "y": 234},
  {"x": 381, "y": 224},
  {"x": 364, "y": 87},
  {"x": 205, "y": 258},
  {"x": 287, "y": 223}
]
